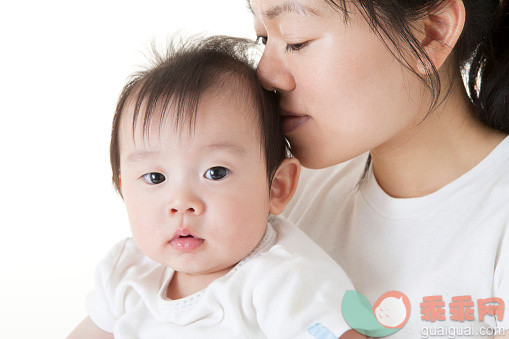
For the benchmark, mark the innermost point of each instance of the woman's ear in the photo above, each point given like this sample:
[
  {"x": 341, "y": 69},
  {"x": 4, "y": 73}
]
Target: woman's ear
[
  {"x": 438, "y": 33},
  {"x": 284, "y": 185}
]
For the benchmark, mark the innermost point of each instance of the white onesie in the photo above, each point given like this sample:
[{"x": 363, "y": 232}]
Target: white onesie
[{"x": 287, "y": 287}]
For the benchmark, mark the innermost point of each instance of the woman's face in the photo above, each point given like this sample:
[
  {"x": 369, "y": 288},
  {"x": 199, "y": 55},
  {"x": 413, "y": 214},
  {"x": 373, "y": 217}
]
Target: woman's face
[{"x": 342, "y": 91}]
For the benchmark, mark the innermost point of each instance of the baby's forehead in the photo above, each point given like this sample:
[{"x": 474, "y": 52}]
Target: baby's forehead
[{"x": 226, "y": 108}]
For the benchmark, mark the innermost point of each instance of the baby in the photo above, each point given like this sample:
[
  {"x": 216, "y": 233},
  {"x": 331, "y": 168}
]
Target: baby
[{"x": 199, "y": 159}]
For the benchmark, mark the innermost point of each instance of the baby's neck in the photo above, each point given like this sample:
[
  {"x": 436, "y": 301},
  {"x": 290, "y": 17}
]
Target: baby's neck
[{"x": 184, "y": 284}]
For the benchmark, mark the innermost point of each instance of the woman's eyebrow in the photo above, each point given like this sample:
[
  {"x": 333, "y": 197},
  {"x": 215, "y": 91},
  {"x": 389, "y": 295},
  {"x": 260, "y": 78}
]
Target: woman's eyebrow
[{"x": 286, "y": 7}]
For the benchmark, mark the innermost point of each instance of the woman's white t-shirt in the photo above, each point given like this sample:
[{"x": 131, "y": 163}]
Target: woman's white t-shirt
[{"x": 451, "y": 243}]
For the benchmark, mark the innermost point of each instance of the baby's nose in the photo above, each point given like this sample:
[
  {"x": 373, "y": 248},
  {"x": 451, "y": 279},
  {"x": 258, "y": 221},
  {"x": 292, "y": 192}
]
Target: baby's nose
[
  {"x": 193, "y": 206},
  {"x": 182, "y": 210}
]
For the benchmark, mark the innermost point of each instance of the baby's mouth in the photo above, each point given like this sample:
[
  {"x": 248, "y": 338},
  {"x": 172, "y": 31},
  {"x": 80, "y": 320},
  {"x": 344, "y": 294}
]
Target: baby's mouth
[{"x": 184, "y": 241}]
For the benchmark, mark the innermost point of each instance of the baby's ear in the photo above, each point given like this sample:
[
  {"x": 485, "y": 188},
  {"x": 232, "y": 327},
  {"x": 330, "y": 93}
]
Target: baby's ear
[{"x": 284, "y": 185}]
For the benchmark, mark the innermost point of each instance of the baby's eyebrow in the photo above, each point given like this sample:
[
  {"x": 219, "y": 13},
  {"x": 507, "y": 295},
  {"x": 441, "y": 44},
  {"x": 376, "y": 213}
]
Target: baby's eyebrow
[
  {"x": 232, "y": 148},
  {"x": 140, "y": 155}
]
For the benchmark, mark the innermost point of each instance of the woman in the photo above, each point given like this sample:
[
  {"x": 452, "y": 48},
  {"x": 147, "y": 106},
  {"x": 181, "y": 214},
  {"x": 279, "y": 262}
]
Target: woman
[{"x": 418, "y": 201}]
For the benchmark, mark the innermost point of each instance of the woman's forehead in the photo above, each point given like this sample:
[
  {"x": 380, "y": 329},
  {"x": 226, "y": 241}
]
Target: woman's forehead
[
  {"x": 274, "y": 11},
  {"x": 271, "y": 9}
]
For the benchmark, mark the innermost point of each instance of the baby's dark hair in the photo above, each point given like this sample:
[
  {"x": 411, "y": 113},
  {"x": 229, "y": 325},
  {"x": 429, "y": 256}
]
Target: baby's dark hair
[{"x": 177, "y": 80}]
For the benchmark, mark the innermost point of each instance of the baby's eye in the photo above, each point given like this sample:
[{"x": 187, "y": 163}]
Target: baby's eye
[
  {"x": 216, "y": 173},
  {"x": 153, "y": 178}
]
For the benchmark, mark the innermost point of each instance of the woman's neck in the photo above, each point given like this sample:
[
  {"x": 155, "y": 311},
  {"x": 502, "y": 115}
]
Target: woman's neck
[{"x": 446, "y": 145}]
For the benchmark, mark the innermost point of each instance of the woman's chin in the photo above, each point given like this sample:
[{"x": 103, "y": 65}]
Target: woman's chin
[
  {"x": 311, "y": 159},
  {"x": 317, "y": 158}
]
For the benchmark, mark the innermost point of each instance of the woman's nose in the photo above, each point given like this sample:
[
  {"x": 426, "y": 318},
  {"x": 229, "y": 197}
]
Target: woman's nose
[
  {"x": 274, "y": 73},
  {"x": 186, "y": 204}
]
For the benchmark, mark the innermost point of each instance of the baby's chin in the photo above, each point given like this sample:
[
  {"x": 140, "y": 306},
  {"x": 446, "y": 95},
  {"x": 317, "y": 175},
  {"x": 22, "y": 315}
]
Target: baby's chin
[
  {"x": 196, "y": 270},
  {"x": 212, "y": 258}
]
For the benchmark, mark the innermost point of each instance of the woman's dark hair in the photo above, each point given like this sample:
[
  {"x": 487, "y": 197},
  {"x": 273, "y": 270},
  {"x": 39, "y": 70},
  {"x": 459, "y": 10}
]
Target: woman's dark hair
[
  {"x": 176, "y": 82},
  {"x": 482, "y": 49}
]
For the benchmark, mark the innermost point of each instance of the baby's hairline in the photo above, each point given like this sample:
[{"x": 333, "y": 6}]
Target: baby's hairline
[{"x": 165, "y": 113}]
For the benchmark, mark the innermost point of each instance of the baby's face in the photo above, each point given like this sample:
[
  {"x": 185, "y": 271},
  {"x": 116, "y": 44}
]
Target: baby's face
[{"x": 198, "y": 203}]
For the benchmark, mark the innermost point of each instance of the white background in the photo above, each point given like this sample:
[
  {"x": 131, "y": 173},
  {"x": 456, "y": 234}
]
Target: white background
[{"x": 62, "y": 66}]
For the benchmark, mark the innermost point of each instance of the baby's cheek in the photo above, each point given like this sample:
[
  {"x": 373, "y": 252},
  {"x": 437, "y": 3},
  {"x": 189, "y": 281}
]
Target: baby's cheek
[
  {"x": 240, "y": 236},
  {"x": 148, "y": 237}
]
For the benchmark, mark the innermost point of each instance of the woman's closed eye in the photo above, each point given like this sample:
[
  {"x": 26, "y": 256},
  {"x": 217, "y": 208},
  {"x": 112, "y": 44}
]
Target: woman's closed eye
[
  {"x": 296, "y": 47},
  {"x": 153, "y": 178},
  {"x": 289, "y": 47},
  {"x": 216, "y": 173}
]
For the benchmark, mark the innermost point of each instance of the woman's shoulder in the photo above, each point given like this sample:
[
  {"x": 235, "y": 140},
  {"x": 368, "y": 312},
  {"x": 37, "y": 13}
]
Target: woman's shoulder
[
  {"x": 293, "y": 254},
  {"x": 488, "y": 182}
]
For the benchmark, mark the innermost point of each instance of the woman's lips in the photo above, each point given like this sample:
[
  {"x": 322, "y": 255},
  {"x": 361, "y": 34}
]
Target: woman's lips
[{"x": 291, "y": 122}]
